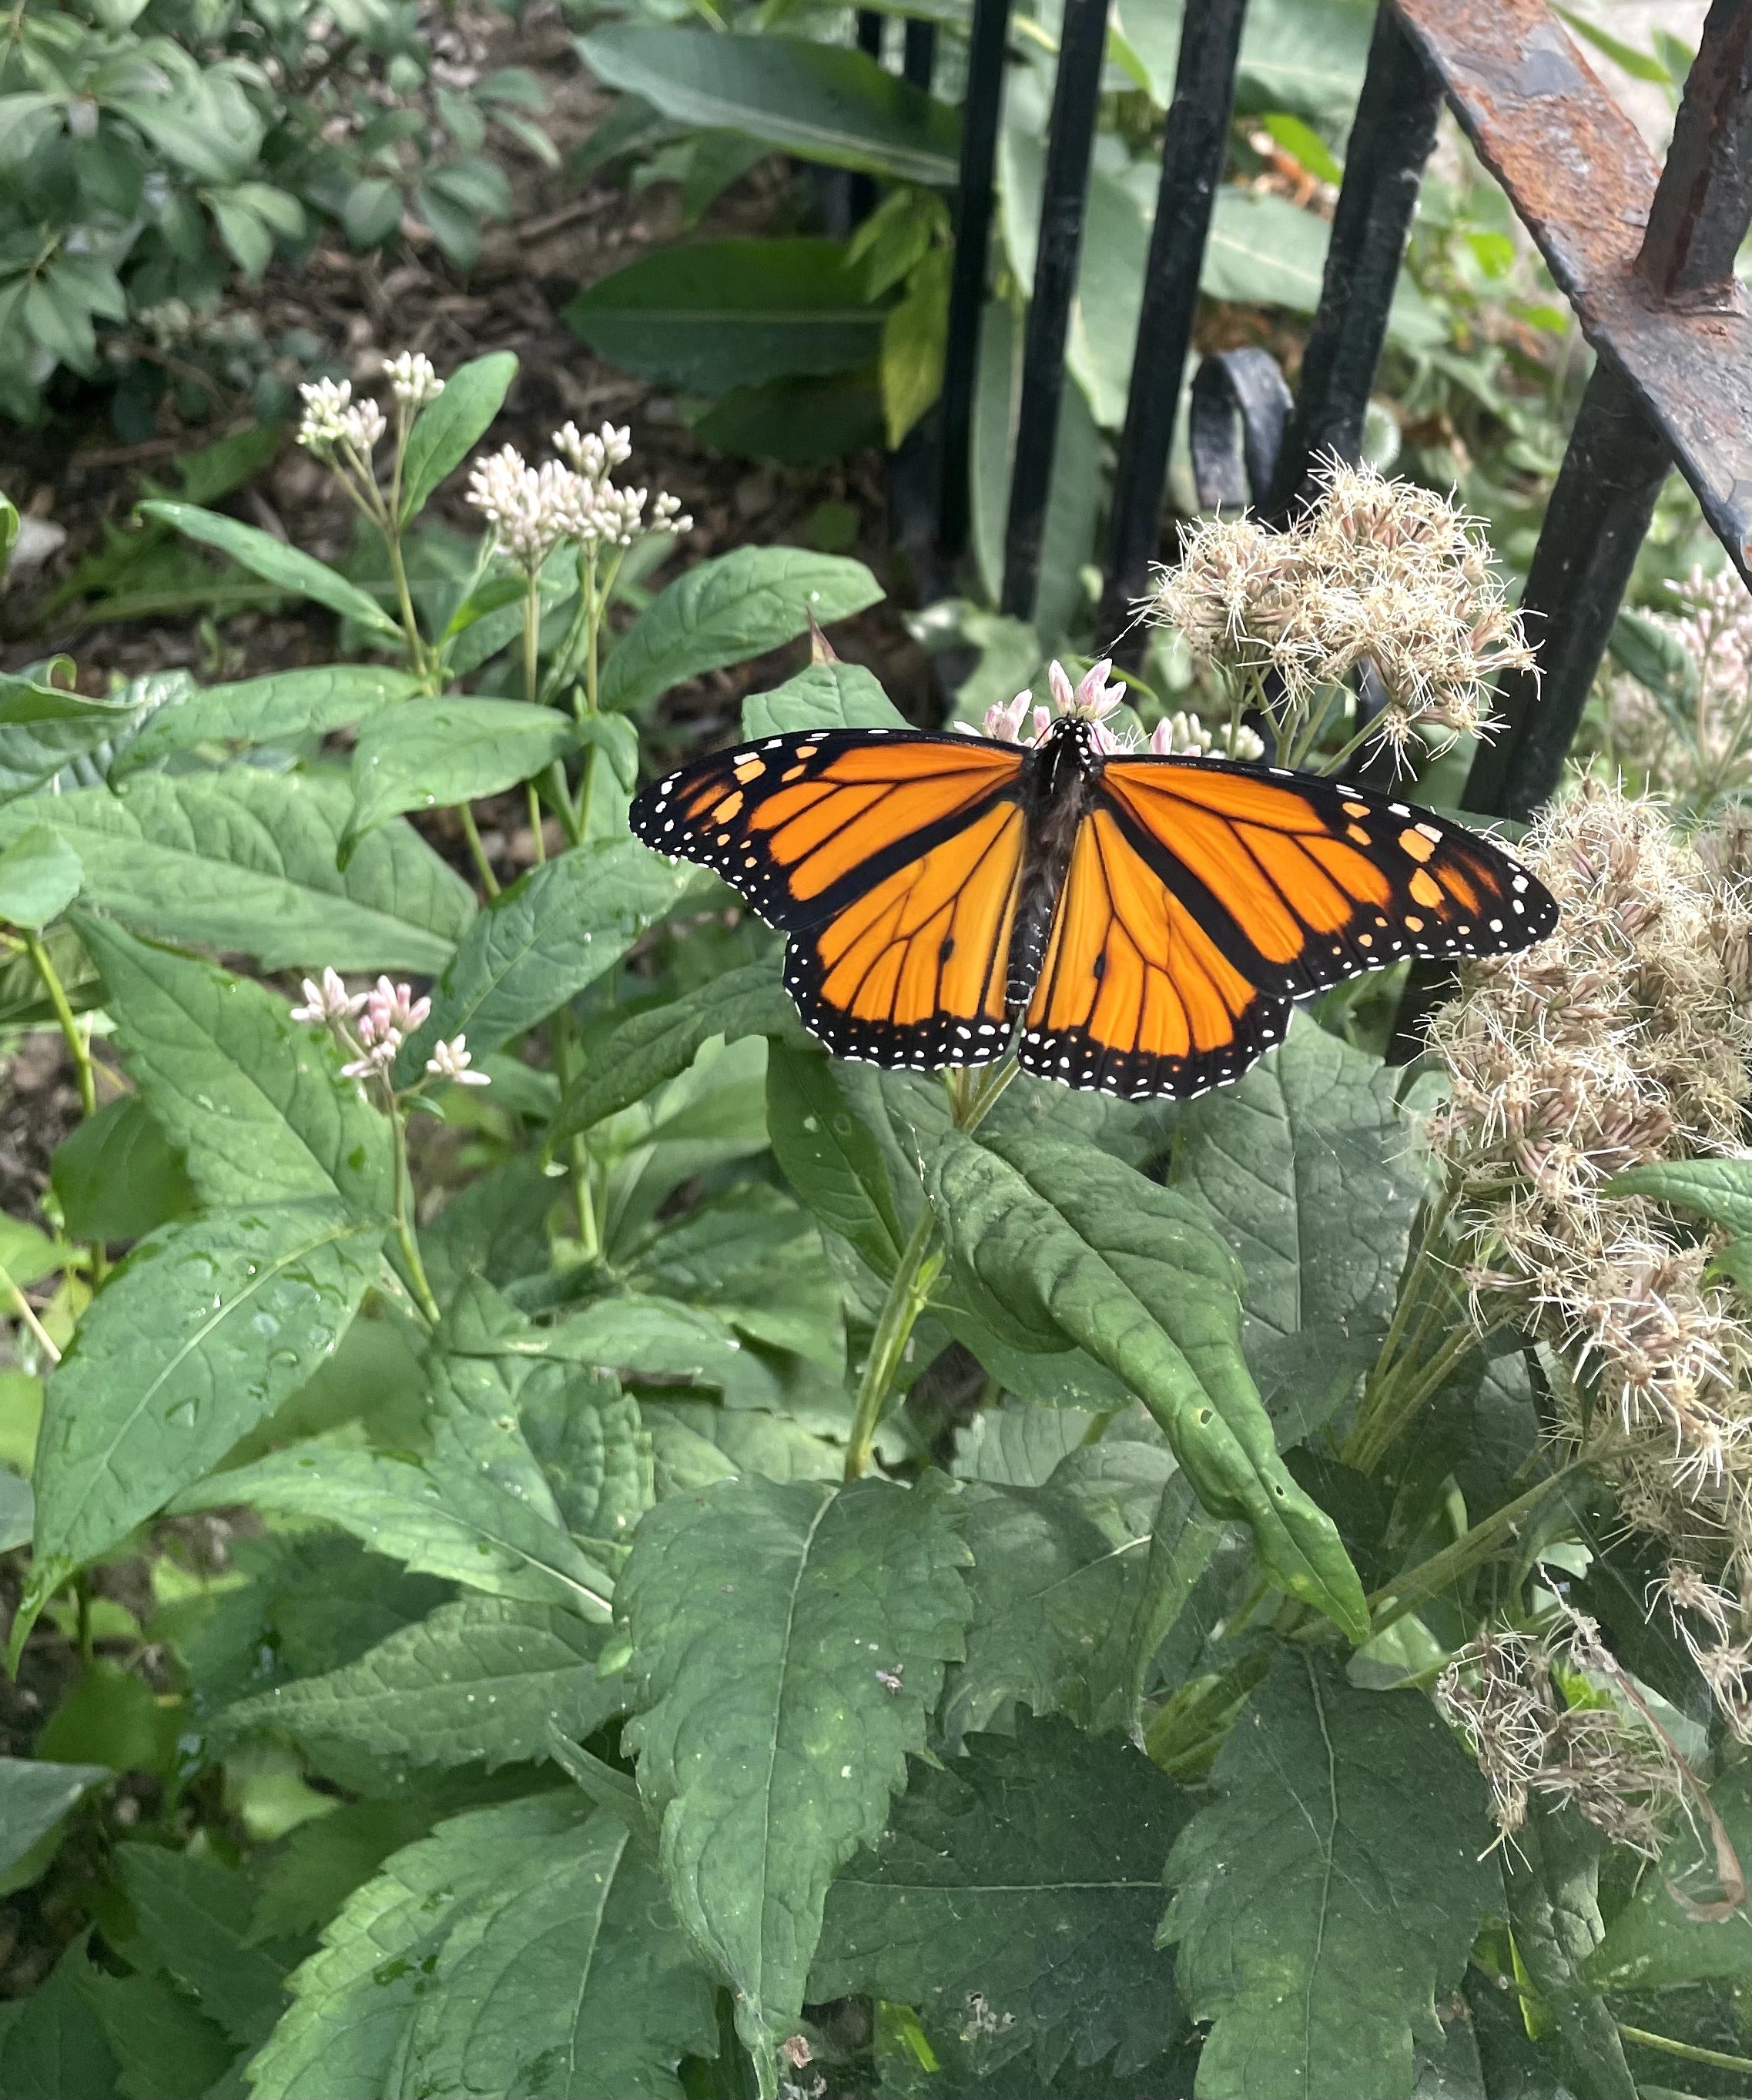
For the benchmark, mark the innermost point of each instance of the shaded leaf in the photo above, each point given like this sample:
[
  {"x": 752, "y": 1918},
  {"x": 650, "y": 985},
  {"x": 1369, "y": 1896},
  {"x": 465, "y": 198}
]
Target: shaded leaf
[
  {"x": 299, "y": 573},
  {"x": 193, "y": 1919},
  {"x": 446, "y": 751},
  {"x": 1653, "y": 1942},
  {"x": 279, "y": 708},
  {"x": 1332, "y": 1889},
  {"x": 1551, "y": 1877},
  {"x": 824, "y": 696},
  {"x": 52, "y": 2049},
  {"x": 116, "y": 1176},
  {"x": 34, "y": 1796},
  {"x": 164, "y": 2047},
  {"x": 445, "y": 430}
]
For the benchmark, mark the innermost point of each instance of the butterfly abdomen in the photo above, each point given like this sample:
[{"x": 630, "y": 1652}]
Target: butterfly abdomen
[{"x": 1058, "y": 790}]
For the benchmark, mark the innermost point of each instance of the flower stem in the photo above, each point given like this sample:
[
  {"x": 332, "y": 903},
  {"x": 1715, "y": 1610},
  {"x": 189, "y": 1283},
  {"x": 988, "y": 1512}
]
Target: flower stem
[
  {"x": 1418, "y": 1584},
  {"x": 908, "y": 1296},
  {"x": 403, "y": 1221},
  {"x": 79, "y": 1049},
  {"x": 478, "y": 852},
  {"x": 1691, "y": 2051},
  {"x": 1388, "y": 1412},
  {"x": 577, "y": 1152}
]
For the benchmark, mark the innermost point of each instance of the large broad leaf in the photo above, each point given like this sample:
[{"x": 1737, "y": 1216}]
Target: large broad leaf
[
  {"x": 484, "y": 1680},
  {"x": 1313, "y": 1178},
  {"x": 352, "y": 2001},
  {"x": 445, "y": 752},
  {"x": 164, "y": 2044},
  {"x": 1264, "y": 251},
  {"x": 815, "y": 100},
  {"x": 1552, "y": 1881},
  {"x": 34, "y": 1796},
  {"x": 284, "y": 706},
  {"x": 193, "y": 1918},
  {"x": 200, "y": 1333},
  {"x": 1307, "y": 55},
  {"x": 40, "y": 875},
  {"x": 1027, "y": 1877},
  {"x": 658, "y": 1043},
  {"x": 555, "y": 930},
  {"x": 776, "y": 1709},
  {"x": 571, "y": 1979},
  {"x": 736, "y": 606},
  {"x": 1053, "y": 1235},
  {"x": 829, "y": 1156},
  {"x": 253, "y": 1099},
  {"x": 51, "y": 2048},
  {"x": 1331, "y": 1891},
  {"x": 445, "y": 430},
  {"x": 116, "y": 1176},
  {"x": 721, "y": 315},
  {"x": 301, "y": 575},
  {"x": 825, "y": 696},
  {"x": 43, "y": 728},
  {"x": 245, "y": 861}
]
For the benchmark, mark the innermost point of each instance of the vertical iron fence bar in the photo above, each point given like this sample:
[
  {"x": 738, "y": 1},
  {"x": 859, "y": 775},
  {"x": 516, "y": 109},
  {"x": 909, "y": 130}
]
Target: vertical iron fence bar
[
  {"x": 967, "y": 284},
  {"x": 918, "y": 55},
  {"x": 1195, "y": 141},
  {"x": 1704, "y": 198},
  {"x": 1070, "y": 143},
  {"x": 861, "y": 190},
  {"x": 1390, "y": 140}
]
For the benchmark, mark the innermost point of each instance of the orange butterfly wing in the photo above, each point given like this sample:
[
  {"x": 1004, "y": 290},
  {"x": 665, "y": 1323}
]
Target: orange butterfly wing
[
  {"x": 893, "y": 861},
  {"x": 1203, "y": 896}
]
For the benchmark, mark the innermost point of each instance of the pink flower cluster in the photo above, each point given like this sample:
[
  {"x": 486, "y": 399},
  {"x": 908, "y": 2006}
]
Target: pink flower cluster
[
  {"x": 1091, "y": 700},
  {"x": 373, "y": 1025}
]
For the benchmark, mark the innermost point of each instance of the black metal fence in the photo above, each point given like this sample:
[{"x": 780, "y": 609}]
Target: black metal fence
[{"x": 1645, "y": 255}]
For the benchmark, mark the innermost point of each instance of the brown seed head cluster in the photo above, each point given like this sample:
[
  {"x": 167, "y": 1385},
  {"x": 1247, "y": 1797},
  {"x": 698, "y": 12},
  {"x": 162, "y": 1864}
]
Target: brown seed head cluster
[
  {"x": 1377, "y": 572},
  {"x": 1621, "y": 1040},
  {"x": 1698, "y": 750}
]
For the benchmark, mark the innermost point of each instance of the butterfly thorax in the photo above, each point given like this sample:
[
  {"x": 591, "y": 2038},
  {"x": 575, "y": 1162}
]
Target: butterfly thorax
[{"x": 1056, "y": 790}]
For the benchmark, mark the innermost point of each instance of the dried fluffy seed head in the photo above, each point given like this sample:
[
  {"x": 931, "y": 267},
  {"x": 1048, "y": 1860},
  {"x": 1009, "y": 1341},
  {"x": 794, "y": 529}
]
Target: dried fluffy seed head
[{"x": 1699, "y": 752}]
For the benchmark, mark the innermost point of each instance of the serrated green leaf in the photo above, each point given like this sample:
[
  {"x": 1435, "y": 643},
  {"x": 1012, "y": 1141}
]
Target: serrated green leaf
[
  {"x": 726, "y": 609},
  {"x": 34, "y": 1796},
  {"x": 279, "y": 708},
  {"x": 1027, "y": 1877},
  {"x": 1313, "y": 1178},
  {"x": 307, "y": 1876},
  {"x": 696, "y": 1445},
  {"x": 555, "y": 930},
  {"x": 1718, "y": 1189},
  {"x": 1016, "y": 1444},
  {"x": 659, "y": 1043},
  {"x": 1060, "y": 1237},
  {"x": 164, "y": 2047},
  {"x": 1653, "y": 1944},
  {"x": 803, "y": 1741},
  {"x": 447, "y": 429},
  {"x": 353, "y": 2001},
  {"x": 755, "y": 1258},
  {"x": 253, "y": 1100},
  {"x": 824, "y": 696},
  {"x": 193, "y": 1919},
  {"x": 1331, "y": 1891},
  {"x": 244, "y": 860},
  {"x": 825, "y": 104},
  {"x": 1553, "y": 1880},
  {"x": 199, "y": 1335},
  {"x": 262, "y": 555},
  {"x": 116, "y": 1176},
  {"x": 445, "y": 751},
  {"x": 481, "y": 1681},
  {"x": 52, "y": 2049},
  {"x": 39, "y": 876},
  {"x": 573, "y": 1981}
]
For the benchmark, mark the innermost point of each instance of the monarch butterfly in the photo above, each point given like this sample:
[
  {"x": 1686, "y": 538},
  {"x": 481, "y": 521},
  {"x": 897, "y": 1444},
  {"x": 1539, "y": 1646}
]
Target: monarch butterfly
[{"x": 1132, "y": 924}]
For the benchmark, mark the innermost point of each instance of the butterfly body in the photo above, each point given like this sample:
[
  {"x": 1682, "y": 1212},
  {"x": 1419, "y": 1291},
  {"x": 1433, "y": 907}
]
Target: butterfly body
[{"x": 1134, "y": 925}]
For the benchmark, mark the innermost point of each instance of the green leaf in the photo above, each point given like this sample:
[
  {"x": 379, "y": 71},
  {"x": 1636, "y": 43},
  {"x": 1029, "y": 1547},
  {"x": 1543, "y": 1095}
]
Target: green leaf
[
  {"x": 658, "y": 1043},
  {"x": 446, "y": 751},
  {"x": 1313, "y": 1178},
  {"x": 34, "y": 1798},
  {"x": 1308, "y": 56},
  {"x": 52, "y": 2049},
  {"x": 116, "y": 1176},
  {"x": 353, "y": 2001},
  {"x": 570, "y": 1979},
  {"x": 1552, "y": 1877},
  {"x": 803, "y": 1742},
  {"x": 1653, "y": 1944},
  {"x": 279, "y": 708},
  {"x": 1331, "y": 1891},
  {"x": 18, "y": 1520},
  {"x": 42, "y": 730},
  {"x": 39, "y": 876},
  {"x": 445, "y": 430},
  {"x": 816, "y": 100},
  {"x": 310, "y": 1874},
  {"x": 725, "y": 611},
  {"x": 27, "y": 1254},
  {"x": 1060, "y": 1237},
  {"x": 1718, "y": 1189},
  {"x": 696, "y": 1445},
  {"x": 555, "y": 930},
  {"x": 828, "y": 1156},
  {"x": 755, "y": 1258},
  {"x": 201, "y": 1333},
  {"x": 1029, "y": 1876},
  {"x": 1266, "y": 251},
  {"x": 244, "y": 860},
  {"x": 193, "y": 1917},
  {"x": 825, "y": 696},
  {"x": 253, "y": 1100},
  {"x": 262, "y": 555},
  {"x": 718, "y": 314},
  {"x": 481, "y": 1680},
  {"x": 164, "y": 2046}
]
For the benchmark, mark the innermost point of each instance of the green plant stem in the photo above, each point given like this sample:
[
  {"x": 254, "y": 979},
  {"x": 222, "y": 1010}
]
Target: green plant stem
[
  {"x": 908, "y": 1295},
  {"x": 540, "y": 844},
  {"x": 532, "y": 638},
  {"x": 478, "y": 852},
  {"x": 403, "y": 1221},
  {"x": 560, "y": 796},
  {"x": 577, "y": 1152},
  {"x": 27, "y": 1312},
  {"x": 1690, "y": 2050},
  {"x": 1389, "y": 1411},
  {"x": 1418, "y": 1584},
  {"x": 85, "y": 1073},
  {"x": 417, "y": 655}
]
